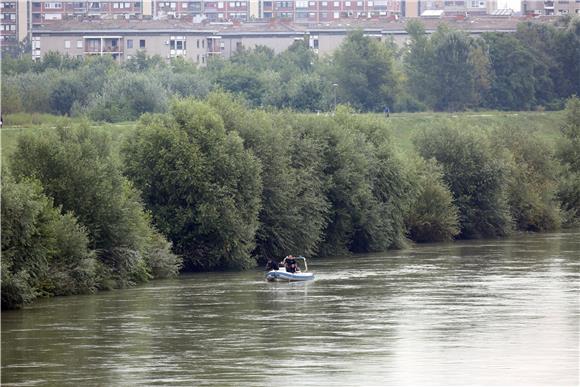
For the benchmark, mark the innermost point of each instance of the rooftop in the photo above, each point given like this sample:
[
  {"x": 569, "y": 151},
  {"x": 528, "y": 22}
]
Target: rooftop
[{"x": 485, "y": 23}]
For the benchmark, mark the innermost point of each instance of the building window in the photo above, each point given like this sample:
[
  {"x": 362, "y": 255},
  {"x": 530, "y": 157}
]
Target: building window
[
  {"x": 142, "y": 43},
  {"x": 177, "y": 43},
  {"x": 129, "y": 43},
  {"x": 198, "y": 45},
  {"x": 67, "y": 44},
  {"x": 53, "y": 5},
  {"x": 79, "y": 44}
]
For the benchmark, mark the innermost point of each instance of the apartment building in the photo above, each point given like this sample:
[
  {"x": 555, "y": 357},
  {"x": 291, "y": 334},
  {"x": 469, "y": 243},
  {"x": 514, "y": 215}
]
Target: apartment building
[
  {"x": 458, "y": 7},
  {"x": 14, "y": 22},
  {"x": 122, "y": 39},
  {"x": 20, "y": 17},
  {"x": 550, "y": 7}
]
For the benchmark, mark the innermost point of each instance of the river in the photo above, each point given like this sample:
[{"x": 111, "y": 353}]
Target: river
[{"x": 494, "y": 312}]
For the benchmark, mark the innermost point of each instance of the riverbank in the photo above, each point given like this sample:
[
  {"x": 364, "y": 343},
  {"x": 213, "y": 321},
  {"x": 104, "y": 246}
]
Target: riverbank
[
  {"x": 215, "y": 185},
  {"x": 403, "y": 126}
]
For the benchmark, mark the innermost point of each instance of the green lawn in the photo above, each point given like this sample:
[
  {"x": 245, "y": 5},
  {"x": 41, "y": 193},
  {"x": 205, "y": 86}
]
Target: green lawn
[
  {"x": 403, "y": 125},
  {"x": 406, "y": 125},
  {"x": 10, "y": 133}
]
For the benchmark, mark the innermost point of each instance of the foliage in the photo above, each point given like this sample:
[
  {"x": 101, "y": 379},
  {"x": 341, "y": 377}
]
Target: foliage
[
  {"x": 364, "y": 183},
  {"x": 126, "y": 98},
  {"x": 365, "y": 74},
  {"x": 200, "y": 184},
  {"x": 44, "y": 252},
  {"x": 443, "y": 70},
  {"x": 512, "y": 85},
  {"x": 532, "y": 179},
  {"x": 294, "y": 208},
  {"x": 432, "y": 216},
  {"x": 77, "y": 168},
  {"x": 534, "y": 68},
  {"x": 476, "y": 176},
  {"x": 143, "y": 63},
  {"x": 569, "y": 155}
]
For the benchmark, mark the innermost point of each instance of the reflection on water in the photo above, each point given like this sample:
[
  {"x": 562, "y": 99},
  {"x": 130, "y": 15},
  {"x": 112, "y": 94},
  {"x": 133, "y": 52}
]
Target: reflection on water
[{"x": 501, "y": 312}]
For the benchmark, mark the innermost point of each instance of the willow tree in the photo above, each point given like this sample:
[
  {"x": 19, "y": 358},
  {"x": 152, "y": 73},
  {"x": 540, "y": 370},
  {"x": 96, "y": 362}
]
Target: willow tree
[
  {"x": 78, "y": 169},
  {"x": 569, "y": 155},
  {"x": 294, "y": 208},
  {"x": 476, "y": 175},
  {"x": 44, "y": 252},
  {"x": 200, "y": 184}
]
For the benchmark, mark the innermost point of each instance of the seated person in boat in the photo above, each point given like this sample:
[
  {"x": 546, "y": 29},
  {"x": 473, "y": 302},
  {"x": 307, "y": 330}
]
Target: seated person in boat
[
  {"x": 290, "y": 264},
  {"x": 272, "y": 265}
]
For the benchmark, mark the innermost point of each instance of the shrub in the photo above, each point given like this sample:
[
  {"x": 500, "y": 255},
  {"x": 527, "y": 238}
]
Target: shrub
[
  {"x": 432, "y": 217},
  {"x": 201, "y": 186},
  {"x": 43, "y": 251},
  {"x": 476, "y": 175}
]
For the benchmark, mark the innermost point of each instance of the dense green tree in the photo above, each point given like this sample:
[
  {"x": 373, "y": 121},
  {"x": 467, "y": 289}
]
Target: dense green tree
[
  {"x": 569, "y": 154},
  {"x": 294, "y": 206},
  {"x": 475, "y": 174},
  {"x": 364, "y": 72},
  {"x": 363, "y": 181},
  {"x": 65, "y": 93},
  {"x": 512, "y": 82},
  {"x": 126, "y": 97},
  {"x": 77, "y": 168},
  {"x": 297, "y": 59},
  {"x": 540, "y": 40},
  {"x": 11, "y": 99},
  {"x": 432, "y": 216},
  {"x": 241, "y": 80},
  {"x": 258, "y": 59},
  {"x": 202, "y": 187},
  {"x": 44, "y": 252},
  {"x": 532, "y": 179},
  {"x": 567, "y": 52},
  {"x": 142, "y": 62},
  {"x": 451, "y": 74},
  {"x": 417, "y": 61},
  {"x": 57, "y": 61}
]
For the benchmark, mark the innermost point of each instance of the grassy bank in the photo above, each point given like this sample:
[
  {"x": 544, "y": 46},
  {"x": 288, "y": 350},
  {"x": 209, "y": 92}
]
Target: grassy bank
[
  {"x": 13, "y": 128},
  {"x": 404, "y": 126}
]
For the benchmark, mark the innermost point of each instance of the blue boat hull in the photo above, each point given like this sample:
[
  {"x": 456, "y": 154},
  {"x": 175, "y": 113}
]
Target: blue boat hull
[{"x": 282, "y": 275}]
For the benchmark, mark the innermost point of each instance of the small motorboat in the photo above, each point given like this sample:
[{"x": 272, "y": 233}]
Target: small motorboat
[{"x": 280, "y": 274}]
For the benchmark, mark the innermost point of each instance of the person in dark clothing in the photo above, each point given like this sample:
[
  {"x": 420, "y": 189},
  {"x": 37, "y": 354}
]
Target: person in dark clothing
[
  {"x": 272, "y": 265},
  {"x": 290, "y": 264}
]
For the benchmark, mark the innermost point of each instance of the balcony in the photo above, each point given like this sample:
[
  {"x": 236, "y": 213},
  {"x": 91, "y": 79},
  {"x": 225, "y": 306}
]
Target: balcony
[
  {"x": 104, "y": 45},
  {"x": 214, "y": 45}
]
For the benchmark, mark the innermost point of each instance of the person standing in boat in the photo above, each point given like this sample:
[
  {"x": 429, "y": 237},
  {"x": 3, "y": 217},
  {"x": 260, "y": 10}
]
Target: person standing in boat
[{"x": 290, "y": 264}]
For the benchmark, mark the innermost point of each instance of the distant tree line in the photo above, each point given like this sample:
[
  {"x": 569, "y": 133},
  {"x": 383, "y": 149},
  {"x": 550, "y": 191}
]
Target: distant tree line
[
  {"x": 535, "y": 68},
  {"x": 215, "y": 184}
]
